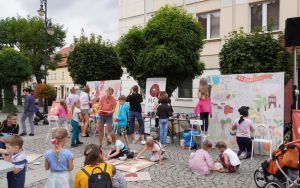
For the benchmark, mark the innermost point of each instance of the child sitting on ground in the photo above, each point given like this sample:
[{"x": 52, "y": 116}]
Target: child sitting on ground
[
  {"x": 188, "y": 137},
  {"x": 228, "y": 158},
  {"x": 155, "y": 148},
  {"x": 118, "y": 179},
  {"x": 119, "y": 149},
  {"x": 122, "y": 118},
  {"x": 201, "y": 162},
  {"x": 15, "y": 154},
  {"x": 59, "y": 161}
]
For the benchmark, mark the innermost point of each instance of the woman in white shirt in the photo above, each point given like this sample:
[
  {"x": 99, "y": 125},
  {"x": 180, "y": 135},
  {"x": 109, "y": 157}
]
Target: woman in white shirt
[{"x": 85, "y": 108}]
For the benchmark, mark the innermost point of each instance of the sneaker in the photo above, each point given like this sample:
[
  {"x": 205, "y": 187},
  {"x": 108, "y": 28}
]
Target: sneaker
[
  {"x": 133, "y": 142},
  {"x": 143, "y": 142},
  {"x": 23, "y": 134},
  {"x": 78, "y": 143},
  {"x": 174, "y": 137},
  {"x": 74, "y": 145},
  {"x": 242, "y": 156},
  {"x": 31, "y": 134}
]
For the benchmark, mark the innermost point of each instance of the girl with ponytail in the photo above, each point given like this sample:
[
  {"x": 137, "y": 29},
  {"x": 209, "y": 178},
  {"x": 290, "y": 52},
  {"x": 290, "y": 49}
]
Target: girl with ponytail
[{"x": 243, "y": 127}]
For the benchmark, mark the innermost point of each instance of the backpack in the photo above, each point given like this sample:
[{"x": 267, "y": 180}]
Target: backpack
[{"x": 98, "y": 180}]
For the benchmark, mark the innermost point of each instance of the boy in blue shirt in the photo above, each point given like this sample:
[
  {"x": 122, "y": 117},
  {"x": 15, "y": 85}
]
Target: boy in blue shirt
[{"x": 122, "y": 118}]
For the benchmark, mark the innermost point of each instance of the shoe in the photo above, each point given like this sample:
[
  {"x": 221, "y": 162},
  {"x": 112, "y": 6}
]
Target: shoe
[
  {"x": 83, "y": 135},
  {"x": 143, "y": 142},
  {"x": 78, "y": 143},
  {"x": 242, "y": 156},
  {"x": 174, "y": 137},
  {"x": 133, "y": 142},
  {"x": 31, "y": 134},
  {"x": 23, "y": 134},
  {"x": 74, "y": 145}
]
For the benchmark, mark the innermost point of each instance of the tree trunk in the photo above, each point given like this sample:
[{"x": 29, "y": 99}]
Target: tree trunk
[
  {"x": 1, "y": 98},
  {"x": 9, "y": 100},
  {"x": 19, "y": 94}
]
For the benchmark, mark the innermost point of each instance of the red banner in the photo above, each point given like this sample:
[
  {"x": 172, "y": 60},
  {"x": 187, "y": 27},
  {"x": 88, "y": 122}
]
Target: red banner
[
  {"x": 254, "y": 78},
  {"x": 296, "y": 124}
]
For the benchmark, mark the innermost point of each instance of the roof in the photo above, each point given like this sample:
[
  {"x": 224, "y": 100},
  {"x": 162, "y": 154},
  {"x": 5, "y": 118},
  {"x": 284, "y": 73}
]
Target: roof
[{"x": 64, "y": 52}]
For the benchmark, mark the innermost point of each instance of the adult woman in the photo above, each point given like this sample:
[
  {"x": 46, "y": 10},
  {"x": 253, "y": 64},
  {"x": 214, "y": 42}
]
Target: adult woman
[
  {"x": 135, "y": 99},
  {"x": 93, "y": 163},
  {"x": 107, "y": 105},
  {"x": 85, "y": 108}
]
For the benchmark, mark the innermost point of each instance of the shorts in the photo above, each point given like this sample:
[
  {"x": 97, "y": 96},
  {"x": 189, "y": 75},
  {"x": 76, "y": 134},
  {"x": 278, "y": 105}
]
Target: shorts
[
  {"x": 84, "y": 111},
  {"x": 106, "y": 120},
  {"x": 122, "y": 131}
]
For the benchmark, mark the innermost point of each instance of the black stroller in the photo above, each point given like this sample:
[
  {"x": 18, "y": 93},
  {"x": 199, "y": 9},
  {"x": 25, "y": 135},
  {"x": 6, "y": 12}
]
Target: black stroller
[{"x": 40, "y": 117}]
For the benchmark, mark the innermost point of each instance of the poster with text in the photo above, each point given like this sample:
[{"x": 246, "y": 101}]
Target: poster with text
[
  {"x": 98, "y": 88},
  {"x": 153, "y": 87},
  {"x": 263, "y": 93}
]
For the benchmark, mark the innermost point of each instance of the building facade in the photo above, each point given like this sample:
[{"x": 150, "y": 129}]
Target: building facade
[{"x": 218, "y": 18}]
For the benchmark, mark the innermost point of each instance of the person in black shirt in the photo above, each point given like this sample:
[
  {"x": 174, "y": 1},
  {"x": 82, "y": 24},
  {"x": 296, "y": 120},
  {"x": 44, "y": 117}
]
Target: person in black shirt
[
  {"x": 135, "y": 99},
  {"x": 9, "y": 126}
]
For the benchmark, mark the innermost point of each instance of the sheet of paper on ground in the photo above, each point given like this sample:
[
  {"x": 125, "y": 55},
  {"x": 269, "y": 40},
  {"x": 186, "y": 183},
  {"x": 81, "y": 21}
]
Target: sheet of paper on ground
[
  {"x": 137, "y": 176},
  {"x": 134, "y": 165}
]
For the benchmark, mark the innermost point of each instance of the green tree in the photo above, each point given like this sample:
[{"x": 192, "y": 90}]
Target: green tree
[
  {"x": 169, "y": 46},
  {"x": 14, "y": 68},
  {"x": 93, "y": 59},
  {"x": 254, "y": 53}
]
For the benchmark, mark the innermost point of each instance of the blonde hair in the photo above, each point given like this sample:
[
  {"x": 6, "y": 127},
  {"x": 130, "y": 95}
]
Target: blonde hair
[
  {"x": 59, "y": 134},
  {"x": 113, "y": 139},
  {"x": 203, "y": 89},
  {"x": 110, "y": 91}
]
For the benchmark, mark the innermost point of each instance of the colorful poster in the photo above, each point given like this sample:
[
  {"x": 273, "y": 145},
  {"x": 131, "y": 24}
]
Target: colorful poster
[
  {"x": 153, "y": 87},
  {"x": 98, "y": 88},
  {"x": 296, "y": 124},
  {"x": 263, "y": 93}
]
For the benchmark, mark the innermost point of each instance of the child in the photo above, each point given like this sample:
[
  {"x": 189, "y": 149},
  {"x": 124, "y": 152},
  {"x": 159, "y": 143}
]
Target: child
[
  {"x": 164, "y": 111},
  {"x": 201, "y": 162},
  {"x": 93, "y": 163},
  {"x": 243, "y": 126},
  {"x": 118, "y": 179},
  {"x": 204, "y": 106},
  {"x": 188, "y": 134},
  {"x": 228, "y": 158},
  {"x": 155, "y": 149},
  {"x": 15, "y": 154},
  {"x": 123, "y": 118},
  {"x": 59, "y": 161},
  {"x": 119, "y": 149},
  {"x": 76, "y": 117},
  {"x": 62, "y": 114}
]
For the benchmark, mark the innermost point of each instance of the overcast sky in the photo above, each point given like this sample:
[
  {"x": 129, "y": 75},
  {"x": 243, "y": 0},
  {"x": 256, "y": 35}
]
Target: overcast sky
[{"x": 97, "y": 16}]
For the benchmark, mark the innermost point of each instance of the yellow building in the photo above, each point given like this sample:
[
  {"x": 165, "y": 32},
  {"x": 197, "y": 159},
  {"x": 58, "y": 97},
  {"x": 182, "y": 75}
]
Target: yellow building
[
  {"x": 60, "y": 78},
  {"x": 218, "y": 18}
]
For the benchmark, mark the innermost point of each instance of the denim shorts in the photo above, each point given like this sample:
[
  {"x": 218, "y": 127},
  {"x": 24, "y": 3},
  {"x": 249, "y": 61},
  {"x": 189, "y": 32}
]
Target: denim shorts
[{"x": 106, "y": 120}]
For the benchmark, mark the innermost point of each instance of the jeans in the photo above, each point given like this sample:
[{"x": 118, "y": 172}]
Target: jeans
[
  {"x": 75, "y": 132},
  {"x": 245, "y": 145},
  {"x": 28, "y": 115},
  {"x": 163, "y": 130},
  {"x": 138, "y": 116},
  {"x": 204, "y": 118}
]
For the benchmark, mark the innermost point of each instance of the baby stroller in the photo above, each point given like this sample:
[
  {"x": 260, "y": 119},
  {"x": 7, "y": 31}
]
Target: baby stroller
[
  {"x": 40, "y": 117},
  {"x": 282, "y": 170}
]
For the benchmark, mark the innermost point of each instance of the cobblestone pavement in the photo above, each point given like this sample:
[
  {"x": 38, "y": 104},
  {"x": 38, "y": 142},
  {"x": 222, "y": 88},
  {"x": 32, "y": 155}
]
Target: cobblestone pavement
[{"x": 173, "y": 173}]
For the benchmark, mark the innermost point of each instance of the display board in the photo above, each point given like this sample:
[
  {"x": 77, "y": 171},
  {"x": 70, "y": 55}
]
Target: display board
[{"x": 153, "y": 87}]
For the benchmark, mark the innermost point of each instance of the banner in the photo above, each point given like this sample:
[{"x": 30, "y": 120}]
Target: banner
[
  {"x": 263, "y": 93},
  {"x": 296, "y": 124},
  {"x": 153, "y": 87},
  {"x": 98, "y": 88}
]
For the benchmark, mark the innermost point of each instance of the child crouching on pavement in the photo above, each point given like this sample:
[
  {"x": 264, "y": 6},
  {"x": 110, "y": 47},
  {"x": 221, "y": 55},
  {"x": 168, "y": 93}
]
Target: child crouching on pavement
[
  {"x": 228, "y": 158},
  {"x": 118, "y": 179},
  {"x": 14, "y": 153}
]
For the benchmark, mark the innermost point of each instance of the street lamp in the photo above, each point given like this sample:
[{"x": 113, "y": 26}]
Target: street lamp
[{"x": 48, "y": 30}]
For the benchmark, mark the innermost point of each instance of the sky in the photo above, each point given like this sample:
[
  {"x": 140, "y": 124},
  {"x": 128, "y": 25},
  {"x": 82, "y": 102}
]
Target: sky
[{"x": 94, "y": 16}]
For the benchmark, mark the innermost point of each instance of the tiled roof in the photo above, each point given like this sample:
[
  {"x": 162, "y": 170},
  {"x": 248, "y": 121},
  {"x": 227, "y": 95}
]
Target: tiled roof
[{"x": 64, "y": 52}]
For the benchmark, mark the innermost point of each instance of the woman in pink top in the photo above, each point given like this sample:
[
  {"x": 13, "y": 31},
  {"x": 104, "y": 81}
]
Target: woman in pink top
[
  {"x": 107, "y": 105},
  {"x": 62, "y": 114},
  {"x": 204, "y": 108},
  {"x": 201, "y": 162},
  {"x": 243, "y": 126}
]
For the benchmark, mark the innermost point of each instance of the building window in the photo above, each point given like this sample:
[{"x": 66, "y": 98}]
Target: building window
[
  {"x": 211, "y": 24},
  {"x": 186, "y": 89},
  {"x": 54, "y": 76},
  {"x": 63, "y": 75},
  {"x": 265, "y": 16}
]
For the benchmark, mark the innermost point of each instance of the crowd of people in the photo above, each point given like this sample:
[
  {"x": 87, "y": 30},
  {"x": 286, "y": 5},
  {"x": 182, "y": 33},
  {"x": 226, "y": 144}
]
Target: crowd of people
[{"x": 120, "y": 134}]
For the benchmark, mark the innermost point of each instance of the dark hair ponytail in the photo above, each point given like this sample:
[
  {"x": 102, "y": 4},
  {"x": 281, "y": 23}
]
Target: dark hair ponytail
[
  {"x": 243, "y": 112},
  {"x": 241, "y": 119}
]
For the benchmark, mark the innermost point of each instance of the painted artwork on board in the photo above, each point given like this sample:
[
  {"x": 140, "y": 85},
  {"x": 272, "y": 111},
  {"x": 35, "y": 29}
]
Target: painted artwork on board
[
  {"x": 263, "y": 93},
  {"x": 98, "y": 88}
]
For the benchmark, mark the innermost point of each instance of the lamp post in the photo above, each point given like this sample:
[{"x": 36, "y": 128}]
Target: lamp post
[{"x": 48, "y": 30}]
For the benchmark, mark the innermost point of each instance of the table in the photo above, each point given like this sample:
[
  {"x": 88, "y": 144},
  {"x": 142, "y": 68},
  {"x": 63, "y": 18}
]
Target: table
[{"x": 6, "y": 167}]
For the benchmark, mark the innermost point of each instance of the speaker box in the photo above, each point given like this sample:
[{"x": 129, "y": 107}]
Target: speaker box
[{"x": 292, "y": 32}]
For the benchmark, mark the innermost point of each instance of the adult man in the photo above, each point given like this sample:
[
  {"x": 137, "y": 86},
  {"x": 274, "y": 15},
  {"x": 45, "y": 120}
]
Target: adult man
[
  {"x": 72, "y": 98},
  {"x": 28, "y": 112},
  {"x": 8, "y": 127}
]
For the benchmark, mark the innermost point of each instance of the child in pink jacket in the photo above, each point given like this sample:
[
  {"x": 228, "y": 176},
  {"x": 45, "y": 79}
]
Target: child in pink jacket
[
  {"x": 204, "y": 108},
  {"x": 201, "y": 162}
]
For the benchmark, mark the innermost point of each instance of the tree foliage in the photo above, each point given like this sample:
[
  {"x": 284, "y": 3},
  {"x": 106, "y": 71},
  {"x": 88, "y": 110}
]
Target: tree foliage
[
  {"x": 254, "y": 53},
  {"x": 93, "y": 59},
  {"x": 45, "y": 91},
  {"x": 14, "y": 68},
  {"x": 169, "y": 46},
  {"x": 27, "y": 35}
]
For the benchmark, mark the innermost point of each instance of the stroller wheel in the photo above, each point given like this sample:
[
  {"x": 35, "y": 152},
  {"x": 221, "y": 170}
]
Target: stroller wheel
[
  {"x": 259, "y": 178},
  {"x": 274, "y": 184}
]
